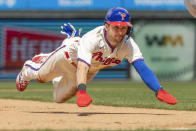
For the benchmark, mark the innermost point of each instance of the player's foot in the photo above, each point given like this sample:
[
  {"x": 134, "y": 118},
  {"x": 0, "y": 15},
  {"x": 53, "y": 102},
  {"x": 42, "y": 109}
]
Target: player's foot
[{"x": 21, "y": 83}]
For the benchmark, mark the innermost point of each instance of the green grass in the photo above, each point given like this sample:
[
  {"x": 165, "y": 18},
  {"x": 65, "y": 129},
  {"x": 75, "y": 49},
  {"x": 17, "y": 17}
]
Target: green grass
[{"x": 120, "y": 93}]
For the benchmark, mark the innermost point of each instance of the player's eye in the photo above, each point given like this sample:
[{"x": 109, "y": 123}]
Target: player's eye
[
  {"x": 115, "y": 28},
  {"x": 124, "y": 28}
]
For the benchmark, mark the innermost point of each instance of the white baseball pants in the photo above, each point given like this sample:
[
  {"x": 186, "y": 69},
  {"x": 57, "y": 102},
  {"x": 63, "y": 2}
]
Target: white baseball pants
[{"x": 56, "y": 68}]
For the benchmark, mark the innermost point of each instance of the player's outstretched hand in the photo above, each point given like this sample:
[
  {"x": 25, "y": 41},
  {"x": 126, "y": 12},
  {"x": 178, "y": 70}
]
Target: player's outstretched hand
[
  {"x": 69, "y": 30},
  {"x": 83, "y": 99},
  {"x": 162, "y": 95}
]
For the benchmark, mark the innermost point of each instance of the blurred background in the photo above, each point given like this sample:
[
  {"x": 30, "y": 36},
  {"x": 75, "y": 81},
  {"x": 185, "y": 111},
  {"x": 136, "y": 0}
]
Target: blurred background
[{"x": 163, "y": 29}]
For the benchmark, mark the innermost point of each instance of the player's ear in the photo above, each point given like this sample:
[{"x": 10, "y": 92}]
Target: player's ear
[{"x": 106, "y": 26}]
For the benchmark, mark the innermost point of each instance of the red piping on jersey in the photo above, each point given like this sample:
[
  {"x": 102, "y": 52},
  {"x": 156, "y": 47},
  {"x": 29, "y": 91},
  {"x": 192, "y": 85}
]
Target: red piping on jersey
[
  {"x": 68, "y": 57},
  {"x": 107, "y": 40}
]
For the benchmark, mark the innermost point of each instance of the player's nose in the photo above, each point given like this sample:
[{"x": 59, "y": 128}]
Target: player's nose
[{"x": 120, "y": 32}]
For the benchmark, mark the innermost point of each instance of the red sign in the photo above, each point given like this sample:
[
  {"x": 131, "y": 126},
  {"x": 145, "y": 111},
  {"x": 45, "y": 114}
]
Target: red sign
[{"x": 22, "y": 44}]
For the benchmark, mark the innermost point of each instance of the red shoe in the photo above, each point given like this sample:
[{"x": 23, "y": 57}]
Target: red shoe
[
  {"x": 21, "y": 84},
  {"x": 162, "y": 95},
  {"x": 83, "y": 99}
]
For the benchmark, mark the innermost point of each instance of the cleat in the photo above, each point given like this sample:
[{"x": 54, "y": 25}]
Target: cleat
[{"x": 21, "y": 83}]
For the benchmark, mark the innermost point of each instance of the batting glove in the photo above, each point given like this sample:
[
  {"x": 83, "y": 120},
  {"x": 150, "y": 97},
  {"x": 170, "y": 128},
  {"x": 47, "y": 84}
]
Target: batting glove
[
  {"x": 69, "y": 30},
  {"x": 83, "y": 99},
  {"x": 162, "y": 95}
]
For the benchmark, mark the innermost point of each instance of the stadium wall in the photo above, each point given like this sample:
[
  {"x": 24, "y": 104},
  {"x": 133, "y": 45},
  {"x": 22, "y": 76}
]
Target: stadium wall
[{"x": 165, "y": 34}]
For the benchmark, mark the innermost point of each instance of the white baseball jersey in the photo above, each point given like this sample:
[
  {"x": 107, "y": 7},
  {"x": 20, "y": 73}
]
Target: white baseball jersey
[
  {"x": 95, "y": 50},
  {"x": 60, "y": 65}
]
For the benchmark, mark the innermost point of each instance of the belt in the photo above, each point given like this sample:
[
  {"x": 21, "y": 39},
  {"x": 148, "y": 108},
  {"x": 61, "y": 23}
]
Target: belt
[{"x": 69, "y": 58}]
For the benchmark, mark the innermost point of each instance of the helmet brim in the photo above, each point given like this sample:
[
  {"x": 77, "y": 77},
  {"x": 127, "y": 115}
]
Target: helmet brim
[{"x": 119, "y": 23}]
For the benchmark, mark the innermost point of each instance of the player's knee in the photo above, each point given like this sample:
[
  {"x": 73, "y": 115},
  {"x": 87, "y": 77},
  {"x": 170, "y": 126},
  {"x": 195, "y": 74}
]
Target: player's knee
[
  {"x": 59, "y": 101},
  {"x": 41, "y": 81},
  {"x": 62, "y": 99},
  {"x": 61, "y": 96}
]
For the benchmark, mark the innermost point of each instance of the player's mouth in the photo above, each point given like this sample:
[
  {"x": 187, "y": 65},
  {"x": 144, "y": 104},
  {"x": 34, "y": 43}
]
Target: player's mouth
[{"x": 119, "y": 38}]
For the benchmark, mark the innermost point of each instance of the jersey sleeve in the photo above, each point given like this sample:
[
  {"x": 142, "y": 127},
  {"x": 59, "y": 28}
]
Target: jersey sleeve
[
  {"x": 135, "y": 53},
  {"x": 85, "y": 49}
]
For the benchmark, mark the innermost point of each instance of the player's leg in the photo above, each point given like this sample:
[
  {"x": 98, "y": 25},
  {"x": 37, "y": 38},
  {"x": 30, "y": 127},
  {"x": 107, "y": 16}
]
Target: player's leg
[
  {"x": 41, "y": 58},
  {"x": 54, "y": 66},
  {"x": 26, "y": 74},
  {"x": 64, "y": 88}
]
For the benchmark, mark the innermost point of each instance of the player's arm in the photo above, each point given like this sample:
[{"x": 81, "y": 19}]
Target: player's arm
[
  {"x": 82, "y": 70},
  {"x": 85, "y": 50},
  {"x": 151, "y": 81},
  {"x": 147, "y": 75},
  {"x": 83, "y": 99}
]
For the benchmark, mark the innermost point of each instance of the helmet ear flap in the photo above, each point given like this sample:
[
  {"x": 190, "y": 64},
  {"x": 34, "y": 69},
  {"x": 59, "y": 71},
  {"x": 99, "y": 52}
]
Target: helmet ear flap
[{"x": 130, "y": 31}]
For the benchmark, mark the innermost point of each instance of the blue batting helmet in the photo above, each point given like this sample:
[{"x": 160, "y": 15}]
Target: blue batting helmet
[{"x": 118, "y": 16}]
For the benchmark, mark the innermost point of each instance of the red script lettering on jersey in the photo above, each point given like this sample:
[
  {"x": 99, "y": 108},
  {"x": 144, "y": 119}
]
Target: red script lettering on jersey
[{"x": 107, "y": 61}]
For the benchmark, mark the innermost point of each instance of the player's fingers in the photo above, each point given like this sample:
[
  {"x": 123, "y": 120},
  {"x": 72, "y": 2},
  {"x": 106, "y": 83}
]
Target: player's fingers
[
  {"x": 80, "y": 30},
  {"x": 70, "y": 24},
  {"x": 62, "y": 32},
  {"x": 72, "y": 27}
]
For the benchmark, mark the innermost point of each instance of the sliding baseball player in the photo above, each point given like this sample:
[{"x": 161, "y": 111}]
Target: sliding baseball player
[{"x": 78, "y": 60}]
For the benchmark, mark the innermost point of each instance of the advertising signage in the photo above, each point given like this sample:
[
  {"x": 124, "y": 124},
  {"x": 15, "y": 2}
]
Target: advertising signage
[
  {"x": 154, "y": 4},
  {"x": 58, "y": 4},
  {"x": 91, "y": 4},
  {"x": 168, "y": 48},
  {"x": 21, "y": 44}
]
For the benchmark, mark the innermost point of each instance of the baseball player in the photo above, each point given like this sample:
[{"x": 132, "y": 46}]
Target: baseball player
[
  {"x": 191, "y": 6},
  {"x": 71, "y": 66}
]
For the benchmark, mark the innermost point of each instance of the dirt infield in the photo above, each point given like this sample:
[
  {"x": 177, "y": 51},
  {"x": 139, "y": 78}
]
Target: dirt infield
[{"x": 18, "y": 114}]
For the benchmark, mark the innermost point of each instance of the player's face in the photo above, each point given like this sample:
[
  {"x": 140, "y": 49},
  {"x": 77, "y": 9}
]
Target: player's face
[{"x": 116, "y": 33}]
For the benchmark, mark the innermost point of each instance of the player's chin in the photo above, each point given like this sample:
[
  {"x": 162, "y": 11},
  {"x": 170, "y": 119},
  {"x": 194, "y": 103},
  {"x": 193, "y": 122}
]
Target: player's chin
[{"x": 119, "y": 39}]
